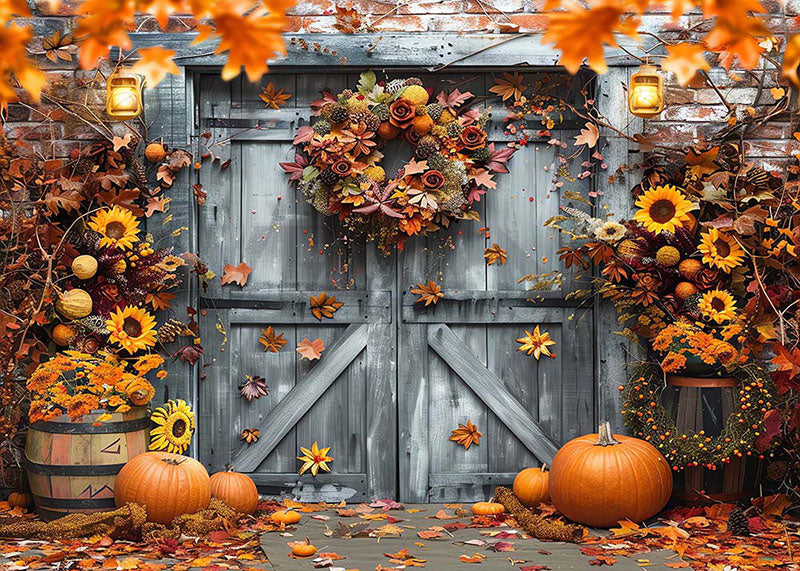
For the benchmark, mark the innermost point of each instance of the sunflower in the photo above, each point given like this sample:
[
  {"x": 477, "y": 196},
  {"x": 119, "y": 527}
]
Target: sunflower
[
  {"x": 118, "y": 227},
  {"x": 720, "y": 250},
  {"x": 175, "y": 422},
  {"x": 132, "y": 328},
  {"x": 663, "y": 209},
  {"x": 317, "y": 458},
  {"x": 718, "y": 305},
  {"x": 610, "y": 231}
]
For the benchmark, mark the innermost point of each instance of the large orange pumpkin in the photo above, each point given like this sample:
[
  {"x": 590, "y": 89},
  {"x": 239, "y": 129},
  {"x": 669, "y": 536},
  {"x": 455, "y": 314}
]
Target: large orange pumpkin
[
  {"x": 168, "y": 485},
  {"x": 530, "y": 486},
  {"x": 236, "y": 490},
  {"x": 600, "y": 479}
]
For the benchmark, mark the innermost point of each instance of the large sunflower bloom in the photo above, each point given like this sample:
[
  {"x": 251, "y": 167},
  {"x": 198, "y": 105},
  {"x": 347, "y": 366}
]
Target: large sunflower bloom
[
  {"x": 117, "y": 227},
  {"x": 317, "y": 458},
  {"x": 720, "y": 250},
  {"x": 718, "y": 305},
  {"x": 132, "y": 329},
  {"x": 663, "y": 209},
  {"x": 175, "y": 422}
]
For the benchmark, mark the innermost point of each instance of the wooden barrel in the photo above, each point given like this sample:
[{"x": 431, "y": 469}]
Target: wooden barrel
[
  {"x": 72, "y": 466},
  {"x": 700, "y": 403}
]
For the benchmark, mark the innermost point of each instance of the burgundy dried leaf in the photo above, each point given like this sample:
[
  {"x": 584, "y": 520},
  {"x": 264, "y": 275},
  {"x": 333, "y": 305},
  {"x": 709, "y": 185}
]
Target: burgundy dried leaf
[{"x": 254, "y": 387}]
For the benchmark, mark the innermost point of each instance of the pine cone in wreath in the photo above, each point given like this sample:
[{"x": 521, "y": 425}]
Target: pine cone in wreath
[
  {"x": 777, "y": 470},
  {"x": 339, "y": 115},
  {"x": 738, "y": 523},
  {"x": 322, "y": 127},
  {"x": 328, "y": 177}
]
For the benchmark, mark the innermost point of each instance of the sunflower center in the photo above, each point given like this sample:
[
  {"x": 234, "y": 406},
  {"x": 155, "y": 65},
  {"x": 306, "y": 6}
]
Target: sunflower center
[
  {"x": 662, "y": 211},
  {"x": 132, "y": 327},
  {"x": 115, "y": 230},
  {"x": 723, "y": 248},
  {"x": 179, "y": 428},
  {"x": 717, "y": 304}
]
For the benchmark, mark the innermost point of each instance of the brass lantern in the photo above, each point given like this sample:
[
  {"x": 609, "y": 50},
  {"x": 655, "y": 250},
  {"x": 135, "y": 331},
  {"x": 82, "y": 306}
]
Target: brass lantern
[
  {"x": 123, "y": 95},
  {"x": 646, "y": 92}
]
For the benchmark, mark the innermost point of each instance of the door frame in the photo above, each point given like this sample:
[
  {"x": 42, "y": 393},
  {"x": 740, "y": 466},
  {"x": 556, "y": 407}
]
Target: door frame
[{"x": 172, "y": 109}]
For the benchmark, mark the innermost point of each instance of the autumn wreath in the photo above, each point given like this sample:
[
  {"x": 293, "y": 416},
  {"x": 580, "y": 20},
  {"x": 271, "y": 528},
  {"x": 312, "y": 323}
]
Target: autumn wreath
[{"x": 337, "y": 165}]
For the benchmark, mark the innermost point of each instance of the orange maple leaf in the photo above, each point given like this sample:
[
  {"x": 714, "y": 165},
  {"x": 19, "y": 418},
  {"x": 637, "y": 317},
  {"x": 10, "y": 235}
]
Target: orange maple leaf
[
  {"x": 236, "y": 274},
  {"x": 273, "y": 97},
  {"x": 103, "y": 24},
  {"x": 270, "y": 340},
  {"x": 495, "y": 255},
  {"x": 155, "y": 64},
  {"x": 787, "y": 360},
  {"x": 791, "y": 59},
  {"x": 310, "y": 349},
  {"x": 684, "y": 60}
]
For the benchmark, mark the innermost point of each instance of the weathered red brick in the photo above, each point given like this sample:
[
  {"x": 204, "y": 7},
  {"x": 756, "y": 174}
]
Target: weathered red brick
[
  {"x": 460, "y": 23},
  {"x": 401, "y": 23},
  {"x": 529, "y": 22}
]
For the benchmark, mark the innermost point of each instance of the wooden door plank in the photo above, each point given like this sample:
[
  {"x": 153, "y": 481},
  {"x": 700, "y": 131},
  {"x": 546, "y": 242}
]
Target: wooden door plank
[
  {"x": 490, "y": 390},
  {"x": 302, "y": 397}
]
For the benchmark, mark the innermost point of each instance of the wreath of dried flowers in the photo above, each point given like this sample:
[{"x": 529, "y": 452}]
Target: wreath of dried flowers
[
  {"x": 337, "y": 165},
  {"x": 647, "y": 418}
]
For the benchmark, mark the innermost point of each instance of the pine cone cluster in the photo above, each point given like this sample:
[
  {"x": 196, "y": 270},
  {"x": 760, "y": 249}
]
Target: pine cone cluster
[{"x": 738, "y": 523}]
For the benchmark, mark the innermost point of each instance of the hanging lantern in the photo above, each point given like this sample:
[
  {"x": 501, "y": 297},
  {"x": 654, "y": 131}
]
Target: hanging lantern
[
  {"x": 123, "y": 95},
  {"x": 646, "y": 92}
]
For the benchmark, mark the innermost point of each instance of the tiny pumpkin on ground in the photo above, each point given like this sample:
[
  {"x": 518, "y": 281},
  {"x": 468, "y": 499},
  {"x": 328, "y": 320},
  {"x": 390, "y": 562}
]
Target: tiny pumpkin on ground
[
  {"x": 303, "y": 549},
  {"x": 20, "y": 500},
  {"x": 286, "y": 517},
  {"x": 488, "y": 508}
]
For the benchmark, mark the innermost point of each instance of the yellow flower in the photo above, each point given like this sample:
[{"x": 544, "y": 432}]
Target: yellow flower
[
  {"x": 718, "y": 305},
  {"x": 175, "y": 422},
  {"x": 536, "y": 343},
  {"x": 315, "y": 459},
  {"x": 663, "y": 209},
  {"x": 117, "y": 227},
  {"x": 720, "y": 250},
  {"x": 147, "y": 363},
  {"x": 132, "y": 329}
]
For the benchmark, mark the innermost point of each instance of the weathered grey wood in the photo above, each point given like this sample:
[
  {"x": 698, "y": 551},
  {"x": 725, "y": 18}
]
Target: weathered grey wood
[
  {"x": 300, "y": 399},
  {"x": 427, "y": 50},
  {"x": 348, "y": 487},
  {"x": 442, "y": 480},
  {"x": 486, "y": 384},
  {"x": 479, "y": 311}
]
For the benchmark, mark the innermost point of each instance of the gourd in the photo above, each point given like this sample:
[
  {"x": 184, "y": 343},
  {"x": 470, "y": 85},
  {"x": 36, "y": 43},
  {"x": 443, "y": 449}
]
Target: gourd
[
  {"x": 488, "y": 508},
  {"x": 303, "y": 548},
  {"x": 20, "y": 500},
  {"x": 74, "y": 304},
  {"x": 63, "y": 334},
  {"x": 236, "y": 490},
  {"x": 600, "y": 479},
  {"x": 84, "y": 267},
  {"x": 155, "y": 152},
  {"x": 531, "y": 486},
  {"x": 168, "y": 485},
  {"x": 286, "y": 517}
]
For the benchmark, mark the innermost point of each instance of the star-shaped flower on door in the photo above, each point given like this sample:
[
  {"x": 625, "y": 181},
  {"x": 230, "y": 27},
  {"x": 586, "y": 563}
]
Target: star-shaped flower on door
[
  {"x": 466, "y": 435},
  {"x": 315, "y": 459},
  {"x": 536, "y": 343}
]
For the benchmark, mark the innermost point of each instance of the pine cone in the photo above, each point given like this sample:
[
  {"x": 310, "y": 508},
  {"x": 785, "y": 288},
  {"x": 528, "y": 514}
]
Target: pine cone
[
  {"x": 777, "y": 470},
  {"x": 327, "y": 109},
  {"x": 454, "y": 129},
  {"x": 328, "y": 177},
  {"x": 481, "y": 155},
  {"x": 413, "y": 81},
  {"x": 346, "y": 94},
  {"x": 139, "y": 171},
  {"x": 738, "y": 523},
  {"x": 339, "y": 115},
  {"x": 381, "y": 111},
  {"x": 434, "y": 110},
  {"x": 426, "y": 147},
  {"x": 322, "y": 127},
  {"x": 372, "y": 121}
]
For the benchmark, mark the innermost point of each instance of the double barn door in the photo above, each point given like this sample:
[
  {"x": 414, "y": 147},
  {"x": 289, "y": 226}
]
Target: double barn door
[{"x": 395, "y": 379}]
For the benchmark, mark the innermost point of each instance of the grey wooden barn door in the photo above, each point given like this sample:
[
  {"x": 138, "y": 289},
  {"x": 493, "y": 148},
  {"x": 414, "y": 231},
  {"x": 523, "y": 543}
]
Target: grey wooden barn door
[
  {"x": 345, "y": 401},
  {"x": 461, "y": 356},
  {"x": 395, "y": 378}
]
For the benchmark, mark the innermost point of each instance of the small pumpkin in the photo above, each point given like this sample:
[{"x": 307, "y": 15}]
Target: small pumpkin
[
  {"x": 285, "y": 517},
  {"x": 530, "y": 486},
  {"x": 303, "y": 548},
  {"x": 64, "y": 334},
  {"x": 488, "y": 508},
  {"x": 168, "y": 485},
  {"x": 20, "y": 500},
  {"x": 600, "y": 479},
  {"x": 236, "y": 490},
  {"x": 74, "y": 304},
  {"x": 138, "y": 390},
  {"x": 84, "y": 267},
  {"x": 155, "y": 152}
]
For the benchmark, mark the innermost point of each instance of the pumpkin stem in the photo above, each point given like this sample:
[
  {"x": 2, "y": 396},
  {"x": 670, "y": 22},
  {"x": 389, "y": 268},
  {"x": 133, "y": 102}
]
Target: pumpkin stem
[
  {"x": 544, "y": 468},
  {"x": 604, "y": 436}
]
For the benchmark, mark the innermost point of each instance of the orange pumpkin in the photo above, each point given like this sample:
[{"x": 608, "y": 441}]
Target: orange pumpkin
[
  {"x": 236, "y": 490},
  {"x": 285, "y": 517},
  {"x": 488, "y": 508},
  {"x": 530, "y": 486},
  {"x": 303, "y": 548},
  {"x": 20, "y": 500},
  {"x": 168, "y": 485},
  {"x": 600, "y": 479}
]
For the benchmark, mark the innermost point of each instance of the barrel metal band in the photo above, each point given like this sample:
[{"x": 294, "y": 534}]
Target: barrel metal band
[
  {"x": 75, "y": 503},
  {"x": 87, "y": 428},
  {"x": 73, "y": 470}
]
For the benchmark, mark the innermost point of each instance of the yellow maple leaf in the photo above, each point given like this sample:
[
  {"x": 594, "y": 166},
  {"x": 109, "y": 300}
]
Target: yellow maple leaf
[
  {"x": 580, "y": 32},
  {"x": 155, "y": 64},
  {"x": 684, "y": 60},
  {"x": 103, "y": 23}
]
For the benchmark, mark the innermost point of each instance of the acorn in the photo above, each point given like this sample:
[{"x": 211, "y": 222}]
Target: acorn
[
  {"x": 84, "y": 267},
  {"x": 155, "y": 152}
]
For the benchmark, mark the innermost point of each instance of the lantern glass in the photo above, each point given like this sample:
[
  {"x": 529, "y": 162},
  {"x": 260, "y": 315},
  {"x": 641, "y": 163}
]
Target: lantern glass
[
  {"x": 646, "y": 92},
  {"x": 123, "y": 95}
]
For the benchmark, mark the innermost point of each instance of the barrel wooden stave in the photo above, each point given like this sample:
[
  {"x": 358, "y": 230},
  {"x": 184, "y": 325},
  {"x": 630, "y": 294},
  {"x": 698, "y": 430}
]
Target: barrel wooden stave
[{"x": 72, "y": 466}]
